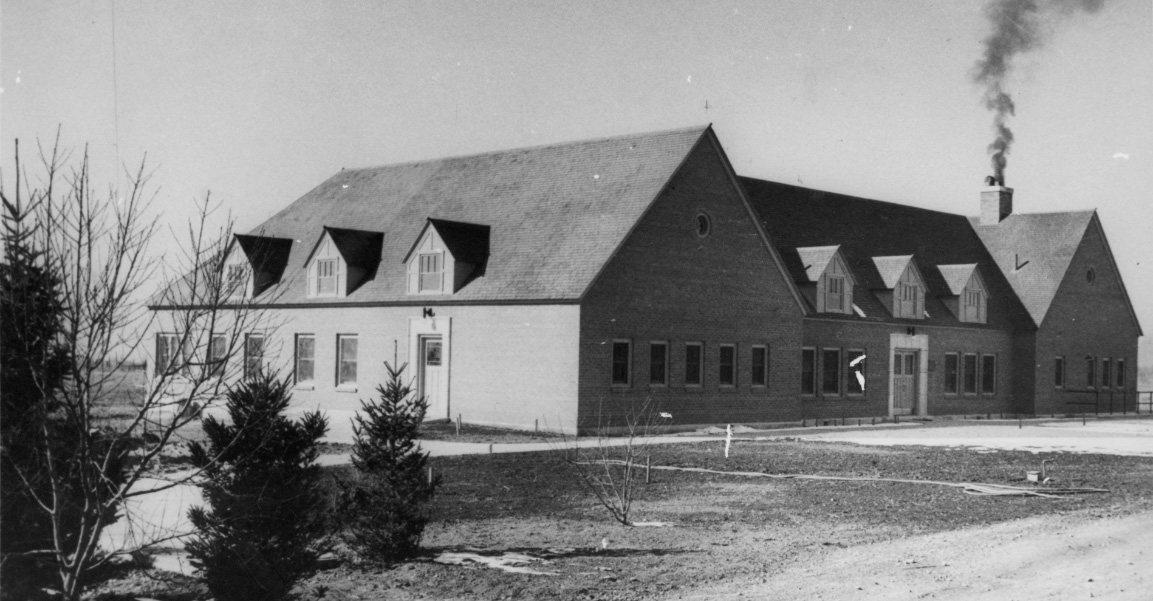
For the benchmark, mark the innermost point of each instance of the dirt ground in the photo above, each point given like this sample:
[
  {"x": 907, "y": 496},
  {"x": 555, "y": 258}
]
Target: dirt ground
[{"x": 1077, "y": 556}]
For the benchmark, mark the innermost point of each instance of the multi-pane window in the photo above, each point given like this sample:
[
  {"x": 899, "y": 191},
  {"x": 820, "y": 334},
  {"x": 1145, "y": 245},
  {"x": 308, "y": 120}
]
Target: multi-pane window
[
  {"x": 970, "y": 374},
  {"x": 727, "y": 376},
  {"x": 305, "y": 358},
  {"x": 658, "y": 364},
  {"x": 855, "y": 364},
  {"x": 760, "y": 365},
  {"x": 1090, "y": 371},
  {"x": 217, "y": 356},
  {"x": 694, "y": 364},
  {"x": 1059, "y": 372},
  {"x": 1106, "y": 372},
  {"x": 835, "y": 294},
  {"x": 1120, "y": 373},
  {"x": 237, "y": 279},
  {"x": 952, "y": 376},
  {"x": 910, "y": 301},
  {"x": 988, "y": 374},
  {"x": 253, "y": 355},
  {"x": 808, "y": 371},
  {"x": 346, "y": 359},
  {"x": 167, "y": 350},
  {"x": 831, "y": 371},
  {"x": 431, "y": 274},
  {"x": 326, "y": 277},
  {"x": 622, "y": 361}
]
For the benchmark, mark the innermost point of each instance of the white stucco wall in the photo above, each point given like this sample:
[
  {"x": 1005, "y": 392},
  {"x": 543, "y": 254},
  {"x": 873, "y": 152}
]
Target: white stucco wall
[{"x": 511, "y": 366}]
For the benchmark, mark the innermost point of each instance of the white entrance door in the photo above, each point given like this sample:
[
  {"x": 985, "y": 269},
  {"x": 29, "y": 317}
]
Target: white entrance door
[
  {"x": 430, "y": 381},
  {"x": 904, "y": 382}
]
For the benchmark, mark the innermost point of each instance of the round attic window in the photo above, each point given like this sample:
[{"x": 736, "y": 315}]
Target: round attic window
[
  {"x": 1090, "y": 275},
  {"x": 704, "y": 225}
]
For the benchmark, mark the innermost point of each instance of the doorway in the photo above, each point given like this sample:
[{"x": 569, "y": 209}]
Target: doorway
[
  {"x": 429, "y": 381},
  {"x": 905, "y": 368}
]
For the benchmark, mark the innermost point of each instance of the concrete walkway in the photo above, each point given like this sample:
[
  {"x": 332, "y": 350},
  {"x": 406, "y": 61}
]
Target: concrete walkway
[{"x": 1132, "y": 437}]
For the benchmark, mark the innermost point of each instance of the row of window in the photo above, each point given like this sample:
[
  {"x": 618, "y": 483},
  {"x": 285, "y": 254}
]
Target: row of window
[
  {"x": 1112, "y": 372},
  {"x": 970, "y": 373},
  {"x": 833, "y": 371},
  {"x": 170, "y": 361},
  {"x": 693, "y": 365}
]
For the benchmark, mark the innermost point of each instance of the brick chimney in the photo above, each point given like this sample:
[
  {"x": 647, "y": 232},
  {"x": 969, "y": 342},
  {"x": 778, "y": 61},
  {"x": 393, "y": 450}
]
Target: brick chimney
[{"x": 996, "y": 202}]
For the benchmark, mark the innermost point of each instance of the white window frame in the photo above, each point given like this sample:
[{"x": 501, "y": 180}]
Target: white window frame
[
  {"x": 249, "y": 372},
  {"x": 169, "y": 347},
  {"x": 332, "y": 278},
  {"x": 341, "y": 383},
  {"x": 438, "y": 259},
  {"x": 236, "y": 278},
  {"x": 839, "y": 296},
  {"x": 216, "y": 356},
  {"x": 297, "y": 359}
]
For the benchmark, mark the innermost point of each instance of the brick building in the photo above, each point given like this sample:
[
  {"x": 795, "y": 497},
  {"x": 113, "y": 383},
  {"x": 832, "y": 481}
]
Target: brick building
[{"x": 557, "y": 286}]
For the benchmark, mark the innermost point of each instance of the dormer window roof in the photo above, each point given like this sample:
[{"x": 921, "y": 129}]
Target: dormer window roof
[
  {"x": 266, "y": 258},
  {"x": 827, "y": 278},
  {"x": 967, "y": 295},
  {"x": 342, "y": 260},
  {"x": 904, "y": 286},
  {"x": 446, "y": 256}
]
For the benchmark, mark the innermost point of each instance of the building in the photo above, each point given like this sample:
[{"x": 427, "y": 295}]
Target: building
[{"x": 559, "y": 286}]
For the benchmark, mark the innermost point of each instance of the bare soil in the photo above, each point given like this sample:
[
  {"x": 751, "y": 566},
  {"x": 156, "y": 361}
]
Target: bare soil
[{"x": 732, "y": 536}]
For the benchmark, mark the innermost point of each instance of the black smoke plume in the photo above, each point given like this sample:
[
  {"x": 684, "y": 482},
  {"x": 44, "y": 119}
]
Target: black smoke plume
[{"x": 1016, "y": 28}]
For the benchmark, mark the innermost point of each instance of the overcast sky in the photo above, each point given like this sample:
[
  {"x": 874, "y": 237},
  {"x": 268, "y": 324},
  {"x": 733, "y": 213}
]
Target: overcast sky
[{"x": 260, "y": 101}]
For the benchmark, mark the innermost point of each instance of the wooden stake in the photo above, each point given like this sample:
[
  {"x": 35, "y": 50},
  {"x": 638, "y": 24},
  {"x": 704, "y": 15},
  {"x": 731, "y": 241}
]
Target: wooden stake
[
  {"x": 648, "y": 468},
  {"x": 458, "y": 424},
  {"x": 430, "y": 475}
]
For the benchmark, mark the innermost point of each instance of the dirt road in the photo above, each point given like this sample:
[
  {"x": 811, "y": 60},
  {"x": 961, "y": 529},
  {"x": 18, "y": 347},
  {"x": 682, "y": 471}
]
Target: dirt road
[{"x": 1056, "y": 557}]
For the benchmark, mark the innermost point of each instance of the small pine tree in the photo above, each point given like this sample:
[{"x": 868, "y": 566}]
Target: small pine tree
[
  {"x": 384, "y": 506},
  {"x": 33, "y": 364},
  {"x": 264, "y": 527}
]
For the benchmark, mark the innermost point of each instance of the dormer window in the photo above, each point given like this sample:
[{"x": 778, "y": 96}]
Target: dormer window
[
  {"x": 326, "y": 277},
  {"x": 825, "y": 279},
  {"x": 834, "y": 293},
  {"x": 967, "y": 297},
  {"x": 236, "y": 280},
  {"x": 342, "y": 261},
  {"x": 903, "y": 286},
  {"x": 431, "y": 273},
  {"x": 446, "y": 257}
]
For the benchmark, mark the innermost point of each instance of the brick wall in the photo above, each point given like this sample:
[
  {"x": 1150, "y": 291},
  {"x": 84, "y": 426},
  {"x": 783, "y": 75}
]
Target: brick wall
[
  {"x": 1086, "y": 320},
  {"x": 667, "y": 284},
  {"x": 873, "y": 339}
]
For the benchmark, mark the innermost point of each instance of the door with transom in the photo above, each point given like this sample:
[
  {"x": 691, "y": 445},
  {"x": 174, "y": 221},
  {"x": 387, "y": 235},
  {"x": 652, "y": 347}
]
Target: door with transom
[
  {"x": 430, "y": 380},
  {"x": 904, "y": 382}
]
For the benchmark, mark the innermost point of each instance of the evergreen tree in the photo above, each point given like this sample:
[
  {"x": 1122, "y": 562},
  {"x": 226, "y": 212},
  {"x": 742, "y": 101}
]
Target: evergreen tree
[
  {"x": 385, "y": 505},
  {"x": 264, "y": 527},
  {"x": 33, "y": 365}
]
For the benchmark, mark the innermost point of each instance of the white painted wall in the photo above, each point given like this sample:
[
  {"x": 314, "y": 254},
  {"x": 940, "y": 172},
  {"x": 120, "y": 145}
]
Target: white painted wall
[{"x": 509, "y": 366}]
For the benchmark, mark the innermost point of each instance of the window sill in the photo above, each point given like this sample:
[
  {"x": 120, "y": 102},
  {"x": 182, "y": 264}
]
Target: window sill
[
  {"x": 346, "y": 388},
  {"x": 304, "y": 386}
]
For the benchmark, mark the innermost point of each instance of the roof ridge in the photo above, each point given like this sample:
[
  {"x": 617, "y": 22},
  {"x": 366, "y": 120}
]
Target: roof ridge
[
  {"x": 852, "y": 197},
  {"x": 471, "y": 155}
]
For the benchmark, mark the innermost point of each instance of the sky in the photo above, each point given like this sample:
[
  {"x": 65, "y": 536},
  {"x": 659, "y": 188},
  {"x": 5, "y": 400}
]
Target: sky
[{"x": 258, "y": 102}]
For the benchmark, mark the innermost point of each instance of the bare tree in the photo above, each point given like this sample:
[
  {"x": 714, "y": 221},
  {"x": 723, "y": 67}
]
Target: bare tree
[
  {"x": 94, "y": 459},
  {"x": 610, "y": 468}
]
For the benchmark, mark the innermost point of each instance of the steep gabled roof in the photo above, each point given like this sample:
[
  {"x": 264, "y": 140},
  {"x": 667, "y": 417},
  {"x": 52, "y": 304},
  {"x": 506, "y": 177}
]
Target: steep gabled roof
[
  {"x": 467, "y": 242},
  {"x": 358, "y": 248},
  {"x": 814, "y": 260},
  {"x": 557, "y": 213},
  {"x": 956, "y": 277},
  {"x": 891, "y": 268},
  {"x": 797, "y": 217},
  {"x": 1033, "y": 251}
]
